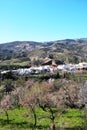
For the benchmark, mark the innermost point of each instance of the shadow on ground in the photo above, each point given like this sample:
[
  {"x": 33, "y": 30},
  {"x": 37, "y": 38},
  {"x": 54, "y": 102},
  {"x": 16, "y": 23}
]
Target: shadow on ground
[{"x": 22, "y": 124}]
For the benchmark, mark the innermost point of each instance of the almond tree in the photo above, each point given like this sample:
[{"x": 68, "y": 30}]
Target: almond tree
[
  {"x": 49, "y": 100},
  {"x": 6, "y": 105},
  {"x": 31, "y": 103},
  {"x": 72, "y": 94},
  {"x": 30, "y": 100},
  {"x": 83, "y": 100},
  {"x": 6, "y": 101},
  {"x": 83, "y": 94}
]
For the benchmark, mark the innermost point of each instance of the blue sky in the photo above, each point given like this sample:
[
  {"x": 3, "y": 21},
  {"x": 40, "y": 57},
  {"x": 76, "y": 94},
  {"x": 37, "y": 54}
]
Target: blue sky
[{"x": 42, "y": 20}]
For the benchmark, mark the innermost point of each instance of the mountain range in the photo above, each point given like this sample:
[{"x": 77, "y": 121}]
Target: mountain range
[{"x": 67, "y": 50}]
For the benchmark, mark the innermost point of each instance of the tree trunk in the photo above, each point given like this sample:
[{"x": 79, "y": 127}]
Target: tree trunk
[
  {"x": 52, "y": 119},
  {"x": 53, "y": 126},
  {"x": 35, "y": 116},
  {"x": 6, "y": 113}
]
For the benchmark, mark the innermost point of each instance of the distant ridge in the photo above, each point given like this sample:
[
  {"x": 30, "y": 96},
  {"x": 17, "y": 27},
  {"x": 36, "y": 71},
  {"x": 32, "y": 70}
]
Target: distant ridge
[
  {"x": 67, "y": 50},
  {"x": 62, "y": 40}
]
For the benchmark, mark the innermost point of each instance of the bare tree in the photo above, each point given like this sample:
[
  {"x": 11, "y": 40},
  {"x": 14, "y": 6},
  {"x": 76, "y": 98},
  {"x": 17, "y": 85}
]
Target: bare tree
[
  {"x": 49, "y": 100},
  {"x": 6, "y": 105},
  {"x": 73, "y": 94},
  {"x": 30, "y": 100},
  {"x": 83, "y": 94}
]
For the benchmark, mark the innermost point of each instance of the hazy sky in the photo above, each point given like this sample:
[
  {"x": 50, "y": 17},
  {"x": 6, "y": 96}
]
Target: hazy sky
[{"x": 42, "y": 20}]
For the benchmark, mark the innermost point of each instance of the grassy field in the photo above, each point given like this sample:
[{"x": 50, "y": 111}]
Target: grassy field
[
  {"x": 13, "y": 62},
  {"x": 22, "y": 119}
]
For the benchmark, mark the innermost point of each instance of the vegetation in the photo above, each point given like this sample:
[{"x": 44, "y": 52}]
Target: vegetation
[{"x": 42, "y": 104}]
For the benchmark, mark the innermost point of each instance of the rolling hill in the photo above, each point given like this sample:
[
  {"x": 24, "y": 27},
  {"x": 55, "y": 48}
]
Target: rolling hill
[{"x": 23, "y": 52}]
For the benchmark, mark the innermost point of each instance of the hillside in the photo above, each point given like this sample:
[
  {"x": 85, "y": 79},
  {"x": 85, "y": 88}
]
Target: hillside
[{"x": 68, "y": 50}]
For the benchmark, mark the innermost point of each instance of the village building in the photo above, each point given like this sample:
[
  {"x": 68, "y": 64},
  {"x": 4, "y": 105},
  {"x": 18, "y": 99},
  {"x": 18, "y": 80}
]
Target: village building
[{"x": 52, "y": 62}]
